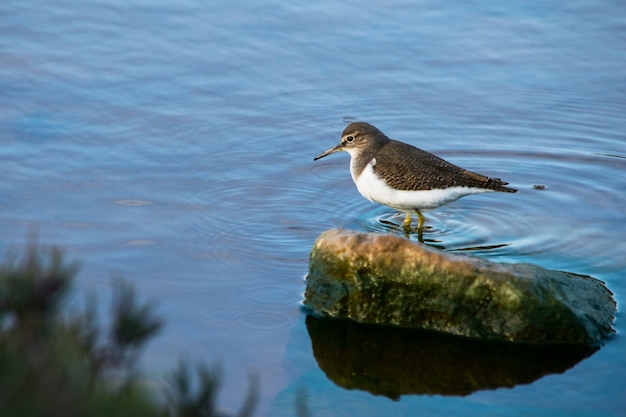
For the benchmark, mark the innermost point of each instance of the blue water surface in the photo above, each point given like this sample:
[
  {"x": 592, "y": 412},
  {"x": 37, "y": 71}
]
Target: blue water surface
[{"x": 171, "y": 143}]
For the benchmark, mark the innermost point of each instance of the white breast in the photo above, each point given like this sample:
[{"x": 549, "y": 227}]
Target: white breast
[{"x": 375, "y": 189}]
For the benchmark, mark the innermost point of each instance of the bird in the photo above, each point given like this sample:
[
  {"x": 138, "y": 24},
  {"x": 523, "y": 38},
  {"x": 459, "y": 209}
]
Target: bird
[{"x": 404, "y": 177}]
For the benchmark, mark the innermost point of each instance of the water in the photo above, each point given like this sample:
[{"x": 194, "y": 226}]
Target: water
[{"x": 172, "y": 144}]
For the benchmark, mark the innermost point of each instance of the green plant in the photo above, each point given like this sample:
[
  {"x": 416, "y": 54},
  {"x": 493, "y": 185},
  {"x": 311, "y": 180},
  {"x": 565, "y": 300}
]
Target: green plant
[{"x": 59, "y": 363}]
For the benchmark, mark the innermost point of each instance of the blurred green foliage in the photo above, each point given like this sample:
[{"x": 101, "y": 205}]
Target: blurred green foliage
[{"x": 54, "y": 362}]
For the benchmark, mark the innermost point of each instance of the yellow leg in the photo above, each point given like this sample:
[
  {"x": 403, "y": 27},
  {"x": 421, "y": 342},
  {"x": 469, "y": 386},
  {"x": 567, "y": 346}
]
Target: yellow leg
[
  {"x": 407, "y": 225},
  {"x": 420, "y": 221},
  {"x": 420, "y": 224},
  {"x": 407, "y": 221}
]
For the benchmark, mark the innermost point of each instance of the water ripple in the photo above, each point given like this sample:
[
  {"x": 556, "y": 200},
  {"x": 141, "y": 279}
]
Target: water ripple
[
  {"x": 248, "y": 319},
  {"x": 515, "y": 226}
]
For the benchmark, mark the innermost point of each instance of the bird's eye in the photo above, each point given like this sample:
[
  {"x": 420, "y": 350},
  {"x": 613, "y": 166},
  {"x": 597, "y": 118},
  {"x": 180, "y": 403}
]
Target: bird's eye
[{"x": 349, "y": 138}]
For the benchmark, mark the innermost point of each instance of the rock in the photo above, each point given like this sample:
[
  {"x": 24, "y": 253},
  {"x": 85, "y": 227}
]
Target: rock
[{"x": 385, "y": 279}]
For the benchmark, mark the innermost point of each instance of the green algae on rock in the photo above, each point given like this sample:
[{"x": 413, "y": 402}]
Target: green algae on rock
[{"x": 385, "y": 279}]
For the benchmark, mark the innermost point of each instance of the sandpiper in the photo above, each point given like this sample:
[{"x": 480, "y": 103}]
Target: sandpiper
[{"x": 404, "y": 177}]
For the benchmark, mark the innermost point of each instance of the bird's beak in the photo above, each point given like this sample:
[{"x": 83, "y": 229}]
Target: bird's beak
[{"x": 328, "y": 152}]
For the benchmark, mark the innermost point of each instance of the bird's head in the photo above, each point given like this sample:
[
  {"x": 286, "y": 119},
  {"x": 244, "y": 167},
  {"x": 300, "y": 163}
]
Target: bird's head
[{"x": 357, "y": 137}]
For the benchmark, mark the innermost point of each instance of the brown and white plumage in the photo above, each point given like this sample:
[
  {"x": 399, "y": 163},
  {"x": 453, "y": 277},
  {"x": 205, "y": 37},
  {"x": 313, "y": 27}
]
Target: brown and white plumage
[{"x": 404, "y": 177}]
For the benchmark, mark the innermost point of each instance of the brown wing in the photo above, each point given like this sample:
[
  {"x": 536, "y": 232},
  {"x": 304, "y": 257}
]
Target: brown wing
[{"x": 406, "y": 167}]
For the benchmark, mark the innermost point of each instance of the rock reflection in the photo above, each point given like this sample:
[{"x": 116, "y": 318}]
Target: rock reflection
[{"x": 394, "y": 361}]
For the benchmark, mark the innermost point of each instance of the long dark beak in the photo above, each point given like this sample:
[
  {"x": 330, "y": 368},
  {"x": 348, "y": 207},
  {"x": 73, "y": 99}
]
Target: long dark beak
[{"x": 328, "y": 152}]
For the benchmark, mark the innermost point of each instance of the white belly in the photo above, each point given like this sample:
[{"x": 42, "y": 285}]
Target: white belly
[{"x": 375, "y": 189}]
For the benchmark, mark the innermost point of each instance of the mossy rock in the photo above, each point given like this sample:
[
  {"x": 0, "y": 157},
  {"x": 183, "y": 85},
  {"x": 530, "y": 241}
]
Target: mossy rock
[{"x": 385, "y": 279}]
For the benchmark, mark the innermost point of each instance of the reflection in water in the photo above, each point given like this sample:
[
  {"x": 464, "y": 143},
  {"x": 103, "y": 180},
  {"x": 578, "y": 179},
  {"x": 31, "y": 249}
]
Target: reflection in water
[
  {"x": 437, "y": 243},
  {"x": 484, "y": 247},
  {"x": 392, "y": 361}
]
